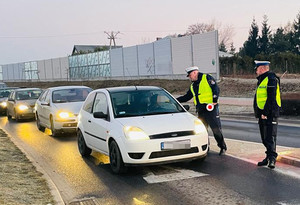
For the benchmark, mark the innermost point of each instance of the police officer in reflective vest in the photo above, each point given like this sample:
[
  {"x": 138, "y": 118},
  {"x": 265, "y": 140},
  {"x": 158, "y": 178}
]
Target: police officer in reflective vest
[
  {"x": 266, "y": 108},
  {"x": 205, "y": 92}
]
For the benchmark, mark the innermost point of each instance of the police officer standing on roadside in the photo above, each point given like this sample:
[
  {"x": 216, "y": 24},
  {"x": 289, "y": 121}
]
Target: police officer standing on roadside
[
  {"x": 205, "y": 92},
  {"x": 266, "y": 105}
]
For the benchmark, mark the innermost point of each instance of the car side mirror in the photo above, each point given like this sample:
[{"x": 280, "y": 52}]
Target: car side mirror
[
  {"x": 187, "y": 107},
  {"x": 100, "y": 115},
  {"x": 45, "y": 103}
]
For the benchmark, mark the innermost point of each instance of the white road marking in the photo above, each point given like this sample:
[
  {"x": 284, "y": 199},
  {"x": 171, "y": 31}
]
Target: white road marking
[{"x": 177, "y": 174}]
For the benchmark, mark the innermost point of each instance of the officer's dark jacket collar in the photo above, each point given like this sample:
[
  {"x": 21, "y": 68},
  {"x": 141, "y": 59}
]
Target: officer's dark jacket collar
[
  {"x": 267, "y": 74},
  {"x": 199, "y": 78}
]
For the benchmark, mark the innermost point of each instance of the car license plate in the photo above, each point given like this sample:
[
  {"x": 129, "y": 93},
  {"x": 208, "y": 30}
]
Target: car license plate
[{"x": 182, "y": 144}]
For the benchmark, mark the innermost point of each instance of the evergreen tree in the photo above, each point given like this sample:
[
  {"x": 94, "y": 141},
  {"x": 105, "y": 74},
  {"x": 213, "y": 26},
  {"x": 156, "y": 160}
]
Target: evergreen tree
[
  {"x": 296, "y": 35},
  {"x": 232, "y": 49},
  {"x": 222, "y": 47},
  {"x": 280, "y": 41},
  {"x": 264, "y": 40},
  {"x": 250, "y": 47}
]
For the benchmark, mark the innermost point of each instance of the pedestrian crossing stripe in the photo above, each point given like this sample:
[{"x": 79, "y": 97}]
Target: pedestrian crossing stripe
[{"x": 176, "y": 174}]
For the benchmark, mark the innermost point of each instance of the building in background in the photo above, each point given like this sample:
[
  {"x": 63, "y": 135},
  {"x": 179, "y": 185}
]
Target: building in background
[{"x": 165, "y": 58}]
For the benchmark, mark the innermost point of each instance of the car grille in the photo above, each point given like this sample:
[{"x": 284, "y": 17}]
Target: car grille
[
  {"x": 172, "y": 134},
  {"x": 70, "y": 124},
  {"x": 168, "y": 153}
]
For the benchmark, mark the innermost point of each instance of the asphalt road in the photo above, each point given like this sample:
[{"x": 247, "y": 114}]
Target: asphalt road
[
  {"x": 217, "y": 180},
  {"x": 249, "y": 131}
]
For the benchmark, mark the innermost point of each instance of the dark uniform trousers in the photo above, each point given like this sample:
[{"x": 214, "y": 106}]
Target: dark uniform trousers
[
  {"x": 212, "y": 119},
  {"x": 268, "y": 132}
]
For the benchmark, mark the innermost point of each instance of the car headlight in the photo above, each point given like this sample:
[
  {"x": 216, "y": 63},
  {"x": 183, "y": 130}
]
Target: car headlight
[
  {"x": 199, "y": 127},
  {"x": 3, "y": 104},
  {"x": 135, "y": 133},
  {"x": 23, "y": 107},
  {"x": 64, "y": 115}
]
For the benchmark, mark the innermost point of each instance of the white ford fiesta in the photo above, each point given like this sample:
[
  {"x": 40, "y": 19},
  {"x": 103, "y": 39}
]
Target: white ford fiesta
[{"x": 139, "y": 125}]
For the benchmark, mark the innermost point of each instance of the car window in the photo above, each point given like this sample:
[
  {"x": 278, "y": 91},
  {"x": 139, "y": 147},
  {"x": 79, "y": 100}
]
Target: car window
[
  {"x": 88, "y": 105},
  {"x": 143, "y": 102},
  {"x": 5, "y": 93},
  {"x": 43, "y": 95},
  {"x": 28, "y": 94},
  {"x": 100, "y": 103},
  {"x": 11, "y": 95},
  {"x": 70, "y": 95}
]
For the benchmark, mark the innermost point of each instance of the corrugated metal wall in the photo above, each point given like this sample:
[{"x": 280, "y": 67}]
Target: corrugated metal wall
[{"x": 164, "y": 58}]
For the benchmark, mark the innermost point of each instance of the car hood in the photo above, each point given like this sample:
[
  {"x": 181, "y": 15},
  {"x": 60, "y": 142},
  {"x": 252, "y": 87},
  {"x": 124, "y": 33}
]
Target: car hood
[
  {"x": 73, "y": 107},
  {"x": 27, "y": 102},
  {"x": 156, "y": 124},
  {"x": 3, "y": 99}
]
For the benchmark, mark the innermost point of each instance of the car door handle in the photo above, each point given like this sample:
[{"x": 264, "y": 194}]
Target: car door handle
[{"x": 89, "y": 121}]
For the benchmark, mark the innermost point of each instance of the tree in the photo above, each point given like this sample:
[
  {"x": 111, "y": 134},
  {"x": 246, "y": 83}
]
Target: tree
[
  {"x": 225, "y": 34},
  {"x": 222, "y": 47},
  {"x": 199, "y": 28},
  {"x": 280, "y": 41},
  {"x": 264, "y": 40},
  {"x": 296, "y": 35},
  {"x": 250, "y": 47},
  {"x": 232, "y": 49}
]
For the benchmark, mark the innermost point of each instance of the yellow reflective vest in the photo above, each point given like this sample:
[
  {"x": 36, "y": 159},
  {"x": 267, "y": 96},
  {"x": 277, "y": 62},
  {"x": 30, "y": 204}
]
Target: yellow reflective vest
[
  {"x": 205, "y": 94},
  {"x": 262, "y": 94}
]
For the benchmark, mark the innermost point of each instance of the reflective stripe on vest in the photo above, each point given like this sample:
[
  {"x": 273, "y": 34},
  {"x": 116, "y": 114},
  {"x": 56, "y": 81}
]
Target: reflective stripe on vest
[
  {"x": 262, "y": 94},
  {"x": 205, "y": 94}
]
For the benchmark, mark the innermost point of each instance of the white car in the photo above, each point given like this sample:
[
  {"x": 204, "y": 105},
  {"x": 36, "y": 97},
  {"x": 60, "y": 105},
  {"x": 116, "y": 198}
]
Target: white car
[
  {"x": 139, "y": 125},
  {"x": 58, "y": 108}
]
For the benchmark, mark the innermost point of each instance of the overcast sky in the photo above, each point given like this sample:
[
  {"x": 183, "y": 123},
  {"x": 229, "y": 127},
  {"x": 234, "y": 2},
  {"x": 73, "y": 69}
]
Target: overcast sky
[{"x": 42, "y": 29}]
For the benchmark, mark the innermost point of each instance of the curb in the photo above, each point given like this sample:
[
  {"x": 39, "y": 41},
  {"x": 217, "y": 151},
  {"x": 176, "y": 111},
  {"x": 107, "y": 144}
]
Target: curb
[{"x": 289, "y": 160}]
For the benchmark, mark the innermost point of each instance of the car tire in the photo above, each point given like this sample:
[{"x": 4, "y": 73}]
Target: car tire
[
  {"x": 115, "y": 158},
  {"x": 83, "y": 149},
  {"x": 17, "y": 118},
  {"x": 54, "y": 131},
  {"x": 8, "y": 116},
  {"x": 38, "y": 124}
]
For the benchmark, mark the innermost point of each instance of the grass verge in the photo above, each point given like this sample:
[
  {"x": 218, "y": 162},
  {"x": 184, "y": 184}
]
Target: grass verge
[{"x": 20, "y": 182}]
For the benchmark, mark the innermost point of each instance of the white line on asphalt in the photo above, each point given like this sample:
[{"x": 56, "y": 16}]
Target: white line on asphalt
[{"x": 177, "y": 174}]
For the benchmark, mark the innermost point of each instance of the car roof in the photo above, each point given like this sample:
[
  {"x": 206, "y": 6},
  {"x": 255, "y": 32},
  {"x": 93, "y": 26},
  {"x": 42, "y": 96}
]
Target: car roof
[
  {"x": 67, "y": 87},
  {"x": 7, "y": 88},
  {"x": 131, "y": 88},
  {"x": 25, "y": 89}
]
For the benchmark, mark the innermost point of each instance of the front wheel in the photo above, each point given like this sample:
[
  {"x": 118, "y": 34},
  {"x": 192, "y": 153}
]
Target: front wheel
[
  {"x": 8, "y": 115},
  {"x": 83, "y": 149},
  {"x": 115, "y": 158},
  {"x": 54, "y": 131},
  {"x": 38, "y": 124}
]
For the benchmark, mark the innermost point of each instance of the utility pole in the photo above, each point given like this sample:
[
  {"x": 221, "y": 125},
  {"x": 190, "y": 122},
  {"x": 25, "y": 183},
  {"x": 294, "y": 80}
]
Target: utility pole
[{"x": 112, "y": 36}]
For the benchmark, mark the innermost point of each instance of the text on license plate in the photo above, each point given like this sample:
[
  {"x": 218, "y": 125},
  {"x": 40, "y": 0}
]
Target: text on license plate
[{"x": 182, "y": 144}]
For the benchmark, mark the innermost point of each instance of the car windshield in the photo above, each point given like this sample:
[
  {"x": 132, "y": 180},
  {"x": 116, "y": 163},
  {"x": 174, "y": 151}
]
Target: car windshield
[
  {"x": 4, "y": 93},
  {"x": 70, "y": 95},
  {"x": 143, "y": 102},
  {"x": 28, "y": 94}
]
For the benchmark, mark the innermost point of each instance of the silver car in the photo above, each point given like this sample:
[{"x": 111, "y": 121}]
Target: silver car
[{"x": 20, "y": 103}]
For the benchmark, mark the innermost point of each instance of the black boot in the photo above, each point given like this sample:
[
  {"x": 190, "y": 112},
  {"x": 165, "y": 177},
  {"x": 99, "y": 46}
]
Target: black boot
[
  {"x": 264, "y": 162},
  {"x": 222, "y": 151},
  {"x": 271, "y": 163}
]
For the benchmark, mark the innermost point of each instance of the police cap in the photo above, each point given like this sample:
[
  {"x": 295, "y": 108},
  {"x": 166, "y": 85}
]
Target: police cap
[
  {"x": 259, "y": 63},
  {"x": 191, "y": 69}
]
